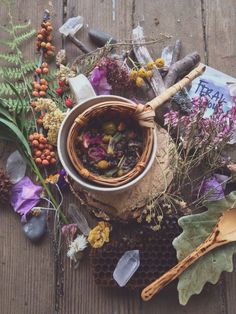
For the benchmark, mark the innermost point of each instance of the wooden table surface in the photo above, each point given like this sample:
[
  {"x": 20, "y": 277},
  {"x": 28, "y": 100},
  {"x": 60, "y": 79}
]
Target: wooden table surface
[{"x": 28, "y": 275}]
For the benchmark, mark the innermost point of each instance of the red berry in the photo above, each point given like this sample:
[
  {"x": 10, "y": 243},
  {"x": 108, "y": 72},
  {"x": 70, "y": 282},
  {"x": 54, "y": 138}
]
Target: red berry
[
  {"x": 59, "y": 91},
  {"x": 69, "y": 103},
  {"x": 61, "y": 83}
]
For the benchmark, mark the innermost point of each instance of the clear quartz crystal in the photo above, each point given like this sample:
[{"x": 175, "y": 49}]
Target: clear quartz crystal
[
  {"x": 126, "y": 267},
  {"x": 167, "y": 54},
  {"x": 16, "y": 167},
  {"x": 79, "y": 218},
  {"x": 72, "y": 26}
]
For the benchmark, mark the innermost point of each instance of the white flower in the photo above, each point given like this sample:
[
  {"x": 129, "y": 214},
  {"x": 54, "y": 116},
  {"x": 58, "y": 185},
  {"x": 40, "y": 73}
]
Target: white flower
[{"x": 79, "y": 244}]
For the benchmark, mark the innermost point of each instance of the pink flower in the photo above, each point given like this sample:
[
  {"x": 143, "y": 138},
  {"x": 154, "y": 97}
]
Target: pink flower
[
  {"x": 69, "y": 231},
  {"x": 99, "y": 82},
  {"x": 88, "y": 139},
  {"x": 25, "y": 195}
]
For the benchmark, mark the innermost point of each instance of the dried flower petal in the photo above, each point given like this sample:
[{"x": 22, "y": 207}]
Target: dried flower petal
[
  {"x": 25, "y": 195},
  {"x": 99, "y": 235}
]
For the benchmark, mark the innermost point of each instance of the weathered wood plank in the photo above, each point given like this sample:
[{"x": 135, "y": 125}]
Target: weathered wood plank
[
  {"x": 220, "y": 26},
  {"x": 180, "y": 19},
  {"x": 26, "y": 270}
]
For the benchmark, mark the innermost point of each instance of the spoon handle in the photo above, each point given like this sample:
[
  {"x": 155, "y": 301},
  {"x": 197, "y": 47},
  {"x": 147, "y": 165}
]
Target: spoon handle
[{"x": 174, "y": 272}]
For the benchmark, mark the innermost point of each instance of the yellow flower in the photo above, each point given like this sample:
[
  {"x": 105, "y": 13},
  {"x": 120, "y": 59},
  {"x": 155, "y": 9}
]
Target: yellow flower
[
  {"x": 99, "y": 235},
  {"x": 53, "y": 178},
  {"x": 160, "y": 62},
  {"x": 139, "y": 81},
  {"x": 150, "y": 65},
  {"x": 149, "y": 73},
  {"x": 142, "y": 72},
  {"x": 133, "y": 74}
]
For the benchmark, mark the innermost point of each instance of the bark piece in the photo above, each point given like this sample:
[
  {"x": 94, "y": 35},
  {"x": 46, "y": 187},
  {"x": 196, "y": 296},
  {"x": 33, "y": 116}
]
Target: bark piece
[{"x": 181, "y": 68}]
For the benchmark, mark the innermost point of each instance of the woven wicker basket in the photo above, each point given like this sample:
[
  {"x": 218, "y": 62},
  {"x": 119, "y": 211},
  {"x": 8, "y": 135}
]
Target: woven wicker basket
[
  {"x": 104, "y": 109},
  {"x": 144, "y": 115}
]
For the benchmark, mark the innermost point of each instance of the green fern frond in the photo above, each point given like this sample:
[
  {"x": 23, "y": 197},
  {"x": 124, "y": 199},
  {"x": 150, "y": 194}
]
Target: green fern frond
[
  {"x": 5, "y": 89},
  {"x": 10, "y": 58},
  {"x": 16, "y": 105},
  {"x": 18, "y": 27},
  {"x": 6, "y": 29},
  {"x": 19, "y": 40},
  {"x": 15, "y": 73},
  {"x": 7, "y": 43}
]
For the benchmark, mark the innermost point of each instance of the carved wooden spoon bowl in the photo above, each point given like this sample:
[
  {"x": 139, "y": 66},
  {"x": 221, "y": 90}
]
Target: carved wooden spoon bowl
[{"x": 224, "y": 232}]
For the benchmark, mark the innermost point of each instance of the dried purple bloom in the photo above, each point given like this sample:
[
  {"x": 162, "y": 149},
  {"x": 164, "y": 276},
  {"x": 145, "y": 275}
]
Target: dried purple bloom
[
  {"x": 25, "y": 195},
  {"x": 99, "y": 82},
  {"x": 62, "y": 182},
  {"x": 212, "y": 189},
  {"x": 96, "y": 153},
  {"x": 69, "y": 231},
  {"x": 88, "y": 139}
]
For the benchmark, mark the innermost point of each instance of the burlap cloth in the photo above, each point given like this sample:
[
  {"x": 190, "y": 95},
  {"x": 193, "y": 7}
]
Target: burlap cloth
[{"x": 126, "y": 205}]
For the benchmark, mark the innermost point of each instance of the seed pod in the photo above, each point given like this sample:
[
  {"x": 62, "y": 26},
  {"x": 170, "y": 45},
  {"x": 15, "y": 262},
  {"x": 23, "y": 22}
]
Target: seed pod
[{"x": 103, "y": 164}]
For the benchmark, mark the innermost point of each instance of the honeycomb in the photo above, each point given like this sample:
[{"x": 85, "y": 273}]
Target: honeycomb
[{"x": 157, "y": 254}]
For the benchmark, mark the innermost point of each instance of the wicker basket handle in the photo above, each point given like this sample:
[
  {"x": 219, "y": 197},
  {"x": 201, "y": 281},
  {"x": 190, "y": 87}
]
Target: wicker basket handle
[{"x": 171, "y": 91}]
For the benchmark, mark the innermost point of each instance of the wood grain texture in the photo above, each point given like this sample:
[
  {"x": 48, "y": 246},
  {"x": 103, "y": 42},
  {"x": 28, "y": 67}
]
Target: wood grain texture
[
  {"x": 27, "y": 272},
  {"x": 181, "y": 19},
  {"x": 220, "y": 27}
]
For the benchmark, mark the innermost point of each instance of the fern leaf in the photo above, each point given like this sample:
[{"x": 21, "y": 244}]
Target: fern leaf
[
  {"x": 11, "y": 58},
  {"x": 6, "y": 29},
  {"x": 5, "y": 89},
  {"x": 15, "y": 105},
  {"x": 7, "y": 43},
  {"x": 21, "y": 26},
  {"x": 19, "y": 40}
]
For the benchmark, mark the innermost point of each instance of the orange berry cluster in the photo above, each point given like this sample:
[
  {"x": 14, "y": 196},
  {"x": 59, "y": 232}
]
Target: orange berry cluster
[
  {"x": 43, "y": 153},
  {"x": 40, "y": 86},
  {"x": 44, "y": 39}
]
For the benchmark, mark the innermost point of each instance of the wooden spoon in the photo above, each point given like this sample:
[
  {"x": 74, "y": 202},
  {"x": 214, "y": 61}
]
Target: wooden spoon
[{"x": 224, "y": 232}]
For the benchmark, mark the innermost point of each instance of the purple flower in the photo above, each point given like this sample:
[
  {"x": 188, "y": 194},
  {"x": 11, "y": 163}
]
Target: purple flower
[
  {"x": 69, "y": 231},
  {"x": 25, "y": 195},
  {"x": 99, "y": 82},
  {"x": 88, "y": 139},
  {"x": 61, "y": 182},
  {"x": 212, "y": 189},
  {"x": 96, "y": 153}
]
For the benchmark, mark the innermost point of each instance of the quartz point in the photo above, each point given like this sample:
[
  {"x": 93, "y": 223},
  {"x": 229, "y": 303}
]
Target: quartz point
[
  {"x": 16, "y": 167},
  {"x": 126, "y": 267},
  {"x": 79, "y": 218},
  {"x": 72, "y": 26},
  {"x": 167, "y": 54}
]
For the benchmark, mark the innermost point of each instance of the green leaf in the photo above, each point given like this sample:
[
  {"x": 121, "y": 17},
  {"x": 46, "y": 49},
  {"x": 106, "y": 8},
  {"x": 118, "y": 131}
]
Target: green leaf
[
  {"x": 19, "y": 136},
  {"x": 11, "y": 58},
  {"x": 5, "y": 112},
  {"x": 208, "y": 268}
]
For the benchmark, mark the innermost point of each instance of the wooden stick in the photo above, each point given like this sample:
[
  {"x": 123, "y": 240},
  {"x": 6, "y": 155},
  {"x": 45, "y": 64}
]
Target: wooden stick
[
  {"x": 209, "y": 244},
  {"x": 144, "y": 57},
  {"x": 171, "y": 91}
]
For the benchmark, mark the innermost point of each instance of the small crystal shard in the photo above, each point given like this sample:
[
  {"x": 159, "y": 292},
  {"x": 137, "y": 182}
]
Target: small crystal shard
[
  {"x": 16, "y": 167},
  {"x": 167, "y": 54},
  {"x": 72, "y": 26},
  {"x": 79, "y": 218},
  {"x": 126, "y": 267}
]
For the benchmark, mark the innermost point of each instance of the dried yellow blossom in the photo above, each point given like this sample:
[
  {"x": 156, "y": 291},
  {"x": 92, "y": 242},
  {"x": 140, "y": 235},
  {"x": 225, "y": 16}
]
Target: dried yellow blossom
[
  {"x": 52, "y": 119},
  {"x": 160, "y": 62},
  {"x": 99, "y": 235},
  {"x": 53, "y": 178},
  {"x": 65, "y": 73}
]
